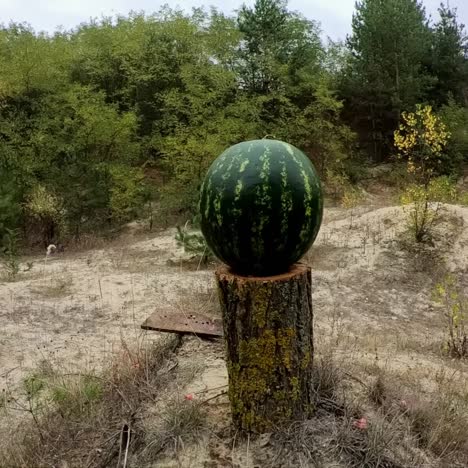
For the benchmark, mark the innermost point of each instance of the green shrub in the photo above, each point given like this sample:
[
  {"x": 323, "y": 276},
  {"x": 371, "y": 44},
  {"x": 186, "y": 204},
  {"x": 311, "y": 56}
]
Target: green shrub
[
  {"x": 449, "y": 294},
  {"x": 422, "y": 205},
  {"x": 77, "y": 395},
  {"x": 10, "y": 208},
  {"x": 455, "y": 118},
  {"x": 193, "y": 243},
  {"x": 9, "y": 254},
  {"x": 128, "y": 193},
  {"x": 46, "y": 213}
]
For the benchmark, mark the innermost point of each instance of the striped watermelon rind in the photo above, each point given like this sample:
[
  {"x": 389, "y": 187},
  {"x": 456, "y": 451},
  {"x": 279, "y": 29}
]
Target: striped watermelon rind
[{"x": 261, "y": 206}]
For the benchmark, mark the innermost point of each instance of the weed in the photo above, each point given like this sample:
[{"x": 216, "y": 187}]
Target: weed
[
  {"x": 449, "y": 294},
  {"x": 194, "y": 243},
  {"x": 54, "y": 287},
  {"x": 380, "y": 441},
  {"x": 180, "y": 421},
  {"x": 327, "y": 378},
  {"x": 440, "y": 425},
  {"x": 378, "y": 391},
  {"x": 351, "y": 197},
  {"x": 422, "y": 205},
  {"x": 9, "y": 256},
  {"x": 86, "y": 419},
  {"x": 76, "y": 395}
]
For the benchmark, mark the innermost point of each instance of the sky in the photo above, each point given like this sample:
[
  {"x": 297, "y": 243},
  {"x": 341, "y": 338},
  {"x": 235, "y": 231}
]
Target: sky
[{"x": 46, "y": 15}]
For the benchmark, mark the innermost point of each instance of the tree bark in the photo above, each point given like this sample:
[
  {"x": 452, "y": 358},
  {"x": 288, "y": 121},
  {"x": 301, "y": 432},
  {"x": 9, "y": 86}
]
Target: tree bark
[{"x": 269, "y": 337}]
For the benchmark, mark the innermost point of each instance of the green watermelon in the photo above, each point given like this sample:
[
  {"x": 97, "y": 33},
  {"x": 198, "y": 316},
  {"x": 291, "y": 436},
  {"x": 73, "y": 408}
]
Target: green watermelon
[{"x": 261, "y": 206}]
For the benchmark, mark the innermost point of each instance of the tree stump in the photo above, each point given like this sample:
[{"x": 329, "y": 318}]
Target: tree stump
[{"x": 269, "y": 337}]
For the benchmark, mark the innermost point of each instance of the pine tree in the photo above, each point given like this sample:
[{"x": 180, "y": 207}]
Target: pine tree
[
  {"x": 390, "y": 50},
  {"x": 449, "y": 58}
]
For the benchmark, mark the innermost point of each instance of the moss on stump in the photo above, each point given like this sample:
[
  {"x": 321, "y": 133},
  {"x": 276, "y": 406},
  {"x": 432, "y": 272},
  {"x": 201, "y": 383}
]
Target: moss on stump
[{"x": 269, "y": 338}]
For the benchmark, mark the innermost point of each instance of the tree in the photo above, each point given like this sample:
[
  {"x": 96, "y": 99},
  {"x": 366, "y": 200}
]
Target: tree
[
  {"x": 390, "y": 47},
  {"x": 455, "y": 118},
  {"x": 30, "y": 64},
  {"x": 86, "y": 113},
  {"x": 449, "y": 58},
  {"x": 207, "y": 115},
  {"x": 276, "y": 45},
  {"x": 421, "y": 139},
  {"x": 10, "y": 210}
]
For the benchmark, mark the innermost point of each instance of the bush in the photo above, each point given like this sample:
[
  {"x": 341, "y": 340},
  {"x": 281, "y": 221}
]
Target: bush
[
  {"x": 423, "y": 205},
  {"x": 450, "y": 295},
  {"x": 455, "y": 118},
  {"x": 9, "y": 254},
  {"x": 85, "y": 419},
  {"x": 46, "y": 213},
  {"x": 338, "y": 186},
  {"x": 128, "y": 193},
  {"x": 10, "y": 208},
  {"x": 421, "y": 140},
  {"x": 194, "y": 243}
]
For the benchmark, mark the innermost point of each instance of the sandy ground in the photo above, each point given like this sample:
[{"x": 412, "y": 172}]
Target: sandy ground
[
  {"x": 77, "y": 308},
  {"x": 371, "y": 295}
]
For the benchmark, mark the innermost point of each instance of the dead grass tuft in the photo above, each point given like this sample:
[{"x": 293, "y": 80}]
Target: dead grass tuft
[
  {"x": 55, "y": 287},
  {"x": 376, "y": 423},
  {"x": 381, "y": 440},
  {"x": 179, "y": 422},
  {"x": 93, "y": 420},
  {"x": 440, "y": 426}
]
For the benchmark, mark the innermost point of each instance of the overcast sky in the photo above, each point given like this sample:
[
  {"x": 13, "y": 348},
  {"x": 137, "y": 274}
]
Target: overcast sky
[{"x": 334, "y": 15}]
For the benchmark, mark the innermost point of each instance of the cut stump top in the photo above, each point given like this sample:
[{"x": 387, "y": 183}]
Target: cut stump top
[{"x": 297, "y": 269}]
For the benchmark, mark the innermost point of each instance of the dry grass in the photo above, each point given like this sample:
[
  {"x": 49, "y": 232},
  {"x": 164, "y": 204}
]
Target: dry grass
[
  {"x": 55, "y": 287},
  {"x": 179, "y": 422},
  {"x": 377, "y": 423},
  {"x": 377, "y": 404},
  {"x": 95, "y": 420},
  {"x": 133, "y": 414},
  {"x": 203, "y": 301}
]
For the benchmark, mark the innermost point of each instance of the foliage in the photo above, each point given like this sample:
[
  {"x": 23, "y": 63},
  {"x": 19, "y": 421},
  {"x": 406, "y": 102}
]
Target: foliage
[
  {"x": 449, "y": 294},
  {"x": 10, "y": 208},
  {"x": 351, "y": 197},
  {"x": 128, "y": 193},
  {"x": 9, "y": 254},
  {"x": 84, "y": 112},
  {"x": 397, "y": 58},
  {"x": 455, "y": 117},
  {"x": 193, "y": 243},
  {"x": 340, "y": 188},
  {"x": 389, "y": 46},
  {"x": 421, "y": 139},
  {"x": 279, "y": 47},
  {"x": 449, "y": 53},
  {"x": 422, "y": 205},
  {"x": 46, "y": 211}
]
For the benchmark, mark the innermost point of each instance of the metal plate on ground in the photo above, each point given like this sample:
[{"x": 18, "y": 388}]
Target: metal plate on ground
[{"x": 194, "y": 324}]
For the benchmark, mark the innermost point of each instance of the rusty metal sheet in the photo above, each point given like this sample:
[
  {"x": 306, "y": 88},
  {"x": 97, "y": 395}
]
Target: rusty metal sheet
[{"x": 175, "y": 322}]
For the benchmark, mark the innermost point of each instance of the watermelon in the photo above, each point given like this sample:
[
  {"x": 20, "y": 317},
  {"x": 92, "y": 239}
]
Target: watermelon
[{"x": 261, "y": 206}]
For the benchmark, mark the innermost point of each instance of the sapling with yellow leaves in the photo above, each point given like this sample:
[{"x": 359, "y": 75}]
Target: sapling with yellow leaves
[{"x": 421, "y": 139}]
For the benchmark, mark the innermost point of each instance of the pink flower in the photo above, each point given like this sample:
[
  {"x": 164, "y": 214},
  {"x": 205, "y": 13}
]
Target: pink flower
[
  {"x": 360, "y": 423},
  {"x": 189, "y": 396}
]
